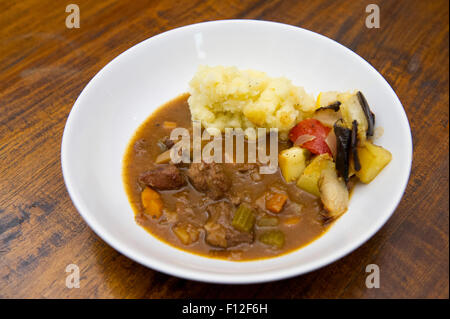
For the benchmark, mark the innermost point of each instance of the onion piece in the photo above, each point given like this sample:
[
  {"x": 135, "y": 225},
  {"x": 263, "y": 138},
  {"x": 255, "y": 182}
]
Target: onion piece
[
  {"x": 302, "y": 139},
  {"x": 332, "y": 143},
  {"x": 327, "y": 116},
  {"x": 163, "y": 158}
]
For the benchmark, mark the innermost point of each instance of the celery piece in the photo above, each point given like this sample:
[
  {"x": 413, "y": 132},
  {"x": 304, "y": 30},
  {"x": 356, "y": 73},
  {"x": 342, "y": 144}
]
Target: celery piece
[
  {"x": 267, "y": 221},
  {"x": 273, "y": 238},
  {"x": 243, "y": 219}
]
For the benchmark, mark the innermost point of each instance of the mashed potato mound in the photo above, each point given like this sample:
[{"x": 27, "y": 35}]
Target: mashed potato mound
[{"x": 224, "y": 97}]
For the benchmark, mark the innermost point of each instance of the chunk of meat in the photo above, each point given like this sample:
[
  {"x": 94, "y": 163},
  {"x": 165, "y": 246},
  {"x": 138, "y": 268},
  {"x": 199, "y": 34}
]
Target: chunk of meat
[
  {"x": 250, "y": 170},
  {"x": 238, "y": 196},
  {"x": 186, "y": 212},
  {"x": 209, "y": 178},
  {"x": 244, "y": 167},
  {"x": 167, "y": 142},
  {"x": 164, "y": 177},
  {"x": 219, "y": 231}
]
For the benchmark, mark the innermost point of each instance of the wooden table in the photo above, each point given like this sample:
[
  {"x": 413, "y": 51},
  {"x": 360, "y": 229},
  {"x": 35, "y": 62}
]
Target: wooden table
[{"x": 44, "y": 66}]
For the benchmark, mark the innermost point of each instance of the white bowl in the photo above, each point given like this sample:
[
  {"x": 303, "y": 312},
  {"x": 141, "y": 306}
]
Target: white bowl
[{"x": 127, "y": 90}]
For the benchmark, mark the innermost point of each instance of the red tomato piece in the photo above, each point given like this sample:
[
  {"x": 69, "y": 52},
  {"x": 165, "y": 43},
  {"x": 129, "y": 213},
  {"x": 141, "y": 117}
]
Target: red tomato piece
[{"x": 315, "y": 128}]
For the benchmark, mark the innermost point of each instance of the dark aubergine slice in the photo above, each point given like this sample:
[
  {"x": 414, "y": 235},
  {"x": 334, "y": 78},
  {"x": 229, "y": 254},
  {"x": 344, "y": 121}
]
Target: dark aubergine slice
[
  {"x": 343, "y": 140},
  {"x": 368, "y": 113},
  {"x": 353, "y": 144},
  {"x": 333, "y": 106}
]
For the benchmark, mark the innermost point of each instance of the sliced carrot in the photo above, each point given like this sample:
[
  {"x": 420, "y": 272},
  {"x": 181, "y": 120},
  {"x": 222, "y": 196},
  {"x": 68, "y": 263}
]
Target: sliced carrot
[
  {"x": 275, "y": 201},
  {"x": 152, "y": 202},
  {"x": 169, "y": 125},
  {"x": 291, "y": 221}
]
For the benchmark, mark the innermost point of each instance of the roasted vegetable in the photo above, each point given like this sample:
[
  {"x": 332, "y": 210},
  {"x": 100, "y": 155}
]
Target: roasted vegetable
[
  {"x": 335, "y": 106},
  {"x": 373, "y": 159},
  {"x": 327, "y": 116},
  {"x": 343, "y": 140},
  {"x": 292, "y": 162},
  {"x": 352, "y": 110},
  {"x": 333, "y": 192},
  {"x": 152, "y": 203},
  {"x": 274, "y": 238},
  {"x": 332, "y": 142},
  {"x": 311, "y": 127},
  {"x": 309, "y": 179},
  {"x": 325, "y": 99},
  {"x": 356, "y": 108},
  {"x": 370, "y": 117},
  {"x": 243, "y": 219},
  {"x": 275, "y": 201},
  {"x": 353, "y": 145}
]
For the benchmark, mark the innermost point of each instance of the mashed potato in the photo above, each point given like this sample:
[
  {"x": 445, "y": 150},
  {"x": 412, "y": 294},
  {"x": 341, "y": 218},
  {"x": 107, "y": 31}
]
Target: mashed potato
[{"x": 224, "y": 97}]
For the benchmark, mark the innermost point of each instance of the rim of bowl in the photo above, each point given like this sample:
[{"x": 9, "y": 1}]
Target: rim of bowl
[{"x": 197, "y": 275}]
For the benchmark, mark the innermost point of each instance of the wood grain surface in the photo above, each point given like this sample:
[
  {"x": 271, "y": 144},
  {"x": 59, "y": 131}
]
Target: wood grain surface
[{"x": 44, "y": 66}]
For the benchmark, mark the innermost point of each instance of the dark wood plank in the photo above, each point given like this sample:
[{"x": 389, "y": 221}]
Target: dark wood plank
[{"x": 44, "y": 66}]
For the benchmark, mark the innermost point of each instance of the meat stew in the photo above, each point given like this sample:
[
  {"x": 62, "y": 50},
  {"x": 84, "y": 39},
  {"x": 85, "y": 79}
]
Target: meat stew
[{"x": 219, "y": 210}]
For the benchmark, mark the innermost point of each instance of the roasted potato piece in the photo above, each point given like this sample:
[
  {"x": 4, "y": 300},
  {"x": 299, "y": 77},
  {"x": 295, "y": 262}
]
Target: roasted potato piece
[
  {"x": 372, "y": 159},
  {"x": 186, "y": 233},
  {"x": 351, "y": 110},
  {"x": 292, "y": 162},
  {"x": 309, "y": 179},
  {"x": 326, "y": 98},
  {"x": 333, "y": 192}
]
